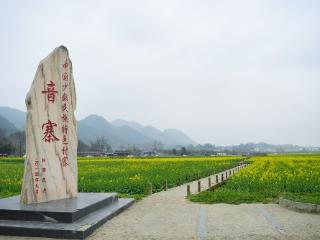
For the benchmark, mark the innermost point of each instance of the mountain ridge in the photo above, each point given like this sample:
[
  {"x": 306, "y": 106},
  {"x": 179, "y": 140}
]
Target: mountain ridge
[
  {"x": 118, "y": 133},
  {"x": 169, "y": 136},
  {"x": 15, "y": 116},
  {"x": 7, "y": 126}
]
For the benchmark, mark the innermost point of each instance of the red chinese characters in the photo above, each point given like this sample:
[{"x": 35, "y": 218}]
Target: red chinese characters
[
  {"x": 50, "y": 92},
  {"x": 64, "y": 150},
  {"x": 64, "y": 118},
  {"x": 39, "y": 173},
  {"x": 36, "y": 177},
  {"x": 65, "y": 77},
  {"x": 64, "y": 97},
  {"x": 65, "y": 129},
  {"x": 49, "y": 131},
  {"x": 50, "y": 126},
  {"x": 64, "y": 108},
  {"x": 64, "y": 86},
  {"x": 44, "y": 170}
]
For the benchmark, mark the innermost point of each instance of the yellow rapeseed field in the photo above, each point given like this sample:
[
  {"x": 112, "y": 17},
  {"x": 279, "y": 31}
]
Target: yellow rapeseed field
[
  {"x": 269, "y": 177},
  {"x": 280, "y": 173},
  {"x": 130, "y": 176}
]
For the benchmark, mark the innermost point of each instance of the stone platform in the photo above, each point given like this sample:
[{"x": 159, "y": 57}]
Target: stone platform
[{"x": 74, "y": 218}]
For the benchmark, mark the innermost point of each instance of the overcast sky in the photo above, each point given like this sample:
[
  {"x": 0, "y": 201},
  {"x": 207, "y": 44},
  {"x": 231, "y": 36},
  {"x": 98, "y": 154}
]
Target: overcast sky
[{"x": 224, "y": 72}]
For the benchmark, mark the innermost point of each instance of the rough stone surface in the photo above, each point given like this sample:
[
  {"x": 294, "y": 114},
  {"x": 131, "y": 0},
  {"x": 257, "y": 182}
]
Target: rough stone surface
[{"x": 51, "y": 150}]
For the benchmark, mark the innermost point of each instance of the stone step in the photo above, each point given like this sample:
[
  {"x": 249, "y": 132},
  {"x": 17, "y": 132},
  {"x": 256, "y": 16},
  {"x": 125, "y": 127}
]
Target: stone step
[
  {"x": 79, "y": 229},
  {"x": 65, "y": 210}
]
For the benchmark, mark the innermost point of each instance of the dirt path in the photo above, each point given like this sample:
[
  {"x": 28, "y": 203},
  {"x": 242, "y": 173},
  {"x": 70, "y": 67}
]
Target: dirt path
[{"x": 168, "y": 215}]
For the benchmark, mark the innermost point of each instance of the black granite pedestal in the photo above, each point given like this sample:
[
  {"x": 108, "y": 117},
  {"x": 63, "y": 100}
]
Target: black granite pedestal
[{"x": 74, "y": 218}]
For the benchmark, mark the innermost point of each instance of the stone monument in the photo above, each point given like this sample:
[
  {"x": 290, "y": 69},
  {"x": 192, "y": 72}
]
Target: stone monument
[
  {"x": 50, "y": 171},
  {"x": 49, "y": 204}
]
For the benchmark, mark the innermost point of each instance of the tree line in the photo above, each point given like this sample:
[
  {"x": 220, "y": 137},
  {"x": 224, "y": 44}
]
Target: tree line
[{"x": 15, "y": 144}]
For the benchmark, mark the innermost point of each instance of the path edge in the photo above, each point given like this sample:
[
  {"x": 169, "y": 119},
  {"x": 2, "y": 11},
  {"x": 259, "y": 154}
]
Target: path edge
[{"x": 299, "y": 206}]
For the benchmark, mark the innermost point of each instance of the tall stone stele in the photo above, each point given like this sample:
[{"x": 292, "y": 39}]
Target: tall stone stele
[{"x": 50, "y": 169}]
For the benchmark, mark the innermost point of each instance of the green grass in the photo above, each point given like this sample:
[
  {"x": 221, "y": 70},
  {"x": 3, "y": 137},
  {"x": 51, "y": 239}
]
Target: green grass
[
  {"x": 127, "y": 176},
  {"x": 232, "y": 197},
  {"x": 303, "y": 197}
]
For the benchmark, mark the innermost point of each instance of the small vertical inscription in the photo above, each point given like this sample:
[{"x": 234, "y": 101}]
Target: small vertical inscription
[{"x": 64, "y": 101}]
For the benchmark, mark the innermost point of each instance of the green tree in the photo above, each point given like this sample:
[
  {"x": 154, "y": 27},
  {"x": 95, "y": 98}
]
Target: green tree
[
  {"x": 82, "y": 147},
  {"x": 18, "y": 140},
  {"x": 100, "y": 145},
  {"x": 5, "y": 145},
  {"x": 183, "y": 151},
  {"x": 174, "y": 151}
]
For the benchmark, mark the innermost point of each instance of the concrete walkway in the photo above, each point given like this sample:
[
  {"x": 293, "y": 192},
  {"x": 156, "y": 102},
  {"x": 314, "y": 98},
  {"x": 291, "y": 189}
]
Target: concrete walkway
[{"x": 168, "y": 215}]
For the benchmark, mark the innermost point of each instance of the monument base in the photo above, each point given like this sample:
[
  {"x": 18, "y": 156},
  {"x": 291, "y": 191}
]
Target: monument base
[{"x": 74, "y": 218}]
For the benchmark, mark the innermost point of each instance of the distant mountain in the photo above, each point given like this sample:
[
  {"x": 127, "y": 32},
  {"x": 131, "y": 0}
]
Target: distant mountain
[
  {"x": 263, "y": 147},
  {"x": 7, "y": 126},
  {"x": 121, "y": 123},
  {"x": 167, "y": 137},
  {"x": 177, "y": 137},
  {"x": 95, "y": 126},
  {"x": 147, "y": 131},
  {"x": 17, "y": 117},
  {"x": 118, "y": 133}
]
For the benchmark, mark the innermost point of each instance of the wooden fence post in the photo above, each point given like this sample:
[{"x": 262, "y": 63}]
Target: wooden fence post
[
  {"x": 188, "y": 190},
  {"x": 199, "y": 186},
  {"x": 217, "y": 178},
  {"x": 166, "y": 185},
  {"x": 150, "y": 189},
  {"x": 221, "y": 177},
  {"x": 209, "y": 182}
]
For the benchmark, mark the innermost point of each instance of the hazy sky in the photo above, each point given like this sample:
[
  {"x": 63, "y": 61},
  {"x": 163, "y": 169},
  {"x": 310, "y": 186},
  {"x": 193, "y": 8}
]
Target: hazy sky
[{"x": 224, "y": 72}]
